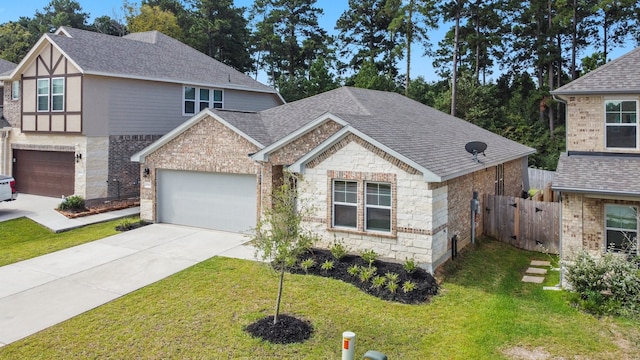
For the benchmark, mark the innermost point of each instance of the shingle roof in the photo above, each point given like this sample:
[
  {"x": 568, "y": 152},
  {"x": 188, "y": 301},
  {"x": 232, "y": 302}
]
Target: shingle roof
[
  {"x": 598, "y": 173},
  {"x": 4, "y": 123},
  {"x": 424, "y": 135},
  {"x": 621, "y": 75},
  {"x": 6, "y": 66},
  {"x": 149, "y": 55}
]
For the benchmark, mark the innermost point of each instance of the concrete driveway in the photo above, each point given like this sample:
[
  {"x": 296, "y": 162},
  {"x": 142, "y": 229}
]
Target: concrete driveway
[{"x": 44, "y": 291}]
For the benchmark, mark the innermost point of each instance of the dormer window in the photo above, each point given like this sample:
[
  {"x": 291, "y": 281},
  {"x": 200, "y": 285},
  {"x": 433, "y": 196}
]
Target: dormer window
[
  {"x": 621, "y": 124},
  {"x": 196, "y": 99}
]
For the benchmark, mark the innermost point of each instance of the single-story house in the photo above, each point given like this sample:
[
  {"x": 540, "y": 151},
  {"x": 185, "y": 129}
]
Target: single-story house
[{"x": 380, "y": 171}]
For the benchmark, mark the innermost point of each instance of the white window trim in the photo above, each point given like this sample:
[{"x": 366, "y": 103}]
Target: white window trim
[
  {"x": 606, "y": 228},
  {"x": 47, "y": 95},
  {"x": 196, "y": 101},
  {"x": 334, "y": 203},
  {"x": 15, "y": 90},
  {"x": 368, "y": 206},
  {"x": 57, "y": 94},
  {"x": 604, "y": 134}
]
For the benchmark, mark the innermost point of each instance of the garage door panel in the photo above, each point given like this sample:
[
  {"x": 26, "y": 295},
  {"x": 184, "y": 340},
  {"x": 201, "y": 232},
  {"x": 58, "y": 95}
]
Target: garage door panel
[
  {"x": 208, "y": 200},
  {"x": 46, "y": 173}
]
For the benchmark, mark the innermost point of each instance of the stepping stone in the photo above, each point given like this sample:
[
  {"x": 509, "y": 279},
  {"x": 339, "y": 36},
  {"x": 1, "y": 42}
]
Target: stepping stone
[
  {"x": 533, "y": 279},
  {"x": 540, "y": 263},
  {"x": 537, "y": 271}
]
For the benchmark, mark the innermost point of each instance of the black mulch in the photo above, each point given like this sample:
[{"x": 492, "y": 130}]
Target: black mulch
[
  {"x": 287, "y": 330},
  {"x": 126, "y": 226},
  {"x": 426, "y": 285}
]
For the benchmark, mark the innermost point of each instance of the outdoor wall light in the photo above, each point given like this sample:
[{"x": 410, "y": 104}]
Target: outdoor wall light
[
  {"x": 145, "y": 172},
  {"x": 78, "y": 157}
]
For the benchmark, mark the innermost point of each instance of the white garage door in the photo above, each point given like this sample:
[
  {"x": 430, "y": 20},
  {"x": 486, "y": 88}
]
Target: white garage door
[{"x": 208, "y": 200}]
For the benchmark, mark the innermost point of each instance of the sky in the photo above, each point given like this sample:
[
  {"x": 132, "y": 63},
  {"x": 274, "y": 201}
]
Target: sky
[{"x": 11, "y": 10}]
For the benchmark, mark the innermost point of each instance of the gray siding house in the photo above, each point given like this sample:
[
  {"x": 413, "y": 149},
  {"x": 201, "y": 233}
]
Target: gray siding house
[{"x": 81, "y": 103}]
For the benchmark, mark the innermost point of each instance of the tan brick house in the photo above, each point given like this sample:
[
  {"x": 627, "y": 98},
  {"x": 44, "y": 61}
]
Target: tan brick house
[
  {"x": 81, "y": 103},
  {"x": 382, "y": 171},
  {"x": 598, "y": 176}
]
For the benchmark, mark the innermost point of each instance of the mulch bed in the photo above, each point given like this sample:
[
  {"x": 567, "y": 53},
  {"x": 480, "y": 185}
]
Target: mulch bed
[
  {"x": 102, "y": 207},
  {"x": 426, "y": 284},
  {"x": 287, "y": 330}
]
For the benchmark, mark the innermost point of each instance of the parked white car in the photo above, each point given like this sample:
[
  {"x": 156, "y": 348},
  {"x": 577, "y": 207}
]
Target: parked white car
[{"x": 7, "y": 188}]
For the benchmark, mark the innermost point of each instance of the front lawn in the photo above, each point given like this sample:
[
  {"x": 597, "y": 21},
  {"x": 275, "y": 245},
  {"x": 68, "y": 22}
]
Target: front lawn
[
  {"x": 483, "y": 311},
  {"x": 22, "y": 239}
]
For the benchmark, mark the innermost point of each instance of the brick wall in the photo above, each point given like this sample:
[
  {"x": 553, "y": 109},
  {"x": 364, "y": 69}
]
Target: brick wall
[
  {"x": 296, "y": 149},
  {"x": 124, "y": 175},
  {"x": 483, "y": 181},
  {"x": 583, "y": 223},
  {"x": 585, "y": 130},
  {"x": 206, "y": 146},
  {"x": 11, "y": 108}
]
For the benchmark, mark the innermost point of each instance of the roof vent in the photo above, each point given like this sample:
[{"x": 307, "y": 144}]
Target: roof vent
[{"x": 475, "y": 148}]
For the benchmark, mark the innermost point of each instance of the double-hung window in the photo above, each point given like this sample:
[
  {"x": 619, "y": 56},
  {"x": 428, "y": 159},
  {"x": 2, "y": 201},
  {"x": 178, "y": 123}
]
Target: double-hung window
[
  {"x": 197, "y": 99},
  {"x": 51, "y": 94},
  {"x": 15, "y": 90},
  {"x": 43, "y": 94},
  {"x": 362, "y": 207},
  {"x": 621, "y": 227},
  {"x": 621, "y": 124},
  {"x": 378, "y": 207},
  {"x": 345, "y": 204}
]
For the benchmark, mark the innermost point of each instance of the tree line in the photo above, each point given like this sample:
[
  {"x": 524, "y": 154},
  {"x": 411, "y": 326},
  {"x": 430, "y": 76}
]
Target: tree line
[{"x": 538, "y": 45}]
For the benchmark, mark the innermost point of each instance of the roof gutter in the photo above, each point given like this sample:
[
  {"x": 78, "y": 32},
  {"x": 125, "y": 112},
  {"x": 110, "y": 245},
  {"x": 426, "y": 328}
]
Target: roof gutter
[{"x": 592, "y": 191}]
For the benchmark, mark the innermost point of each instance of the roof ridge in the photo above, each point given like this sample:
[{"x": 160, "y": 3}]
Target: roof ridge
[{"x": 349, "y": 90}]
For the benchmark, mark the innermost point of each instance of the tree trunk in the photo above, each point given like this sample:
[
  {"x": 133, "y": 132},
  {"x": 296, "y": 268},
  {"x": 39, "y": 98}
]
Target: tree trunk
[
  {"x": 477, "y": 72},
  {"x": 454, "y": 76},
  {"x": 275, "y": 317},
  {"x": 574, "y": 41},
  {"x": 550, "y": 67},
  {"x": 605, "y": 35},
  {"x": 409, "y": 41}
]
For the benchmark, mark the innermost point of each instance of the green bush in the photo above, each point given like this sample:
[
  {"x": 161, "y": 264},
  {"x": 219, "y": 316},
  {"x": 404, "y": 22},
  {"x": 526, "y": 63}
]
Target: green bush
[
  {"x": 73, "y": 202},
  {"x": 338, "y": 250},
  {"x": 327, "y": 265},
  {"x": 609, "y": 284},
  {"x": 410, "y": 266},
  {"x": 307, "y": 264},
  {"x": 369, "y": 256}
]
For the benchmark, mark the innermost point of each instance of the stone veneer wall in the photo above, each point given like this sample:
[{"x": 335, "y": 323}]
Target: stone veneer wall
[
  {"x": 206, "y": 146},
  {"x": 483, "y": 181},
  {"x": 585, "y": 130},
  {"x": 124, "y": 175},
  {"x": 419, "y": 214},
  {"x": 583, "y": 223}
]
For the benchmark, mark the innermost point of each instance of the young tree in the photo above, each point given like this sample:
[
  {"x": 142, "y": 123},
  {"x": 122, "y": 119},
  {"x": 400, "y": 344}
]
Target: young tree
[{"x": 279, "y": 236}]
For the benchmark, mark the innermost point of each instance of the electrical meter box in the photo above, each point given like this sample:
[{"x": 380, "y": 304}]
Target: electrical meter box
[{"x": 374, "y": 355}]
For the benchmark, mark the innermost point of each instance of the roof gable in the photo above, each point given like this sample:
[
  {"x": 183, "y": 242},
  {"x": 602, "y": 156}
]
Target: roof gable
[
  {"x": 147, "y": 56},
  {"x": 619, "y": 76}
]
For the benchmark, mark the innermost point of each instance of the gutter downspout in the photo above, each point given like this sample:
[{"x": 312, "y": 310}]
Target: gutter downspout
[{"x": 5, "y": 152}]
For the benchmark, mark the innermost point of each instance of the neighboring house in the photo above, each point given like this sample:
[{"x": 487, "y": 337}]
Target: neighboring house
[
  {"x": 5, "y": 128},
  {"x": 5, "y": 69},
  {"x": 599, "y": 174},
  {"x": 81, "y": 103},
  {"x": 379, "y": 170}
]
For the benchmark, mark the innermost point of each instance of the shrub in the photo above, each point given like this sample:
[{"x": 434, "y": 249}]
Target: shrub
[
  {"x": 392, "y": 287},
  {"x": 125, "y": 224},
  {"x": 410, "y": 266},
  {"x": 369, "y": 256},
  {"x": 366, "y": 273},
  {"x": 378, "y": 282},
  {"x": 606, "y": 285},
  {"x": 307, "y": 264},
  {"x": 338, "y": 250},
  {"x": 327, "y": 265},
  {"x": 408, "y": 286},
  {"x": 73, "y": 202},
  {"x": 354, "y": 270},
  {"x": 392, "y": 277}
]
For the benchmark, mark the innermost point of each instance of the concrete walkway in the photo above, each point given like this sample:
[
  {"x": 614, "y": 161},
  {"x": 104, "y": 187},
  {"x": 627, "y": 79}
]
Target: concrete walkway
[{"x": 40, "y": 292}]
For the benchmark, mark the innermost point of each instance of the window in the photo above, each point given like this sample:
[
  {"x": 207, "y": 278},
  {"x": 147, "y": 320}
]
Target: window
[
  {"x": 621, "y": 228},
  {"x": 378, "y": 207},
  {"x": 43, "y": 94},
  {"x": 15, "y": 90},
  {"x": 345, "y": 204},
  {"x": 57, "y": 94},
  {"x": 621, "y": 124},
  {"x": 204, "y": 98}
]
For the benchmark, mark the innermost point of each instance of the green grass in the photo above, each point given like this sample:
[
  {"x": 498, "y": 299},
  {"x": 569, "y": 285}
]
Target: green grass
[
  {"x": 22, "y": 239},
  {"x": 483, "y": 312}
]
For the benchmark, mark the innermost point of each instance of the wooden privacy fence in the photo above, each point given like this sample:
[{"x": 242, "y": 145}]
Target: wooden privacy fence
[{"x": 526, "y": 224}]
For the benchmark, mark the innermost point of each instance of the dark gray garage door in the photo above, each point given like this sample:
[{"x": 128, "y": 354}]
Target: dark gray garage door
[
  {"x": 46, "y": 173},
  {"x": 208, "y": 200}
]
